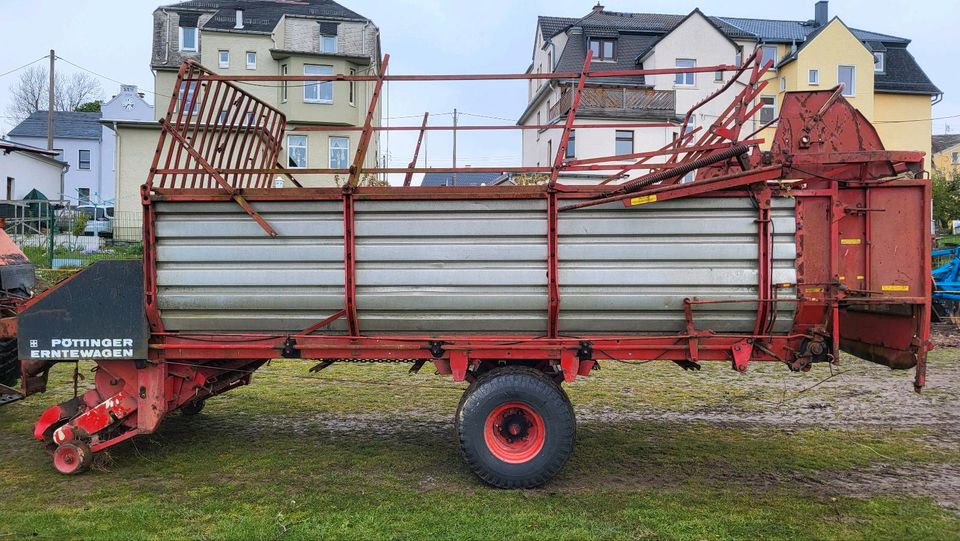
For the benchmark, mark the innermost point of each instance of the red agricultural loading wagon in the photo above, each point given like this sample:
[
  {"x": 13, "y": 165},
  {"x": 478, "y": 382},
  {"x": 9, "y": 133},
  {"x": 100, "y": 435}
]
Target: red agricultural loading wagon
[{"x": 792, "y": 255}]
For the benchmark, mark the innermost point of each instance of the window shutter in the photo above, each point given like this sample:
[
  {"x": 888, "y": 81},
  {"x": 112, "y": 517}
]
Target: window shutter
[
  {"x": 189, "y": 20},
  {"x": 328, "y": 29}
]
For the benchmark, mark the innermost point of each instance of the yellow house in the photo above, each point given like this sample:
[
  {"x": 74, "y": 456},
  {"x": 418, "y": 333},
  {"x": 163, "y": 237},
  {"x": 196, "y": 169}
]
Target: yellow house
[
  {"x": 879, "y": 77},
  {"x": 261, "y": 37},
  {"x": 946, "y": 154}
]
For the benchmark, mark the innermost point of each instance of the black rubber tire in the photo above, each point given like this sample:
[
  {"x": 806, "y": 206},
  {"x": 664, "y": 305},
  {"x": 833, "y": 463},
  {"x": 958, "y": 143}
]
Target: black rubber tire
[
  {"x": 9, "y": 363},
  {"x": 193, "y": 408},
  {"x": 539, "y": 392}
]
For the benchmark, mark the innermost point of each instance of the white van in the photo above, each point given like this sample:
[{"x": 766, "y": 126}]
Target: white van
[{"x": 101, "y": 221}]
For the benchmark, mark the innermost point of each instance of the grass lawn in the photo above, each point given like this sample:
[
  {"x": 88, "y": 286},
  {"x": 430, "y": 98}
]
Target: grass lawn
[{"x": 367, "y": 451}]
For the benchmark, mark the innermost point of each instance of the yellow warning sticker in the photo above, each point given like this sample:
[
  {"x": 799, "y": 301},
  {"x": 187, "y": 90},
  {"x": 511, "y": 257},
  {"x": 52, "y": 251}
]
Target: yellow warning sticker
[
  {"x": 860, "y": 277},
  {"x": 849, "y": 241},
  {"x": 843, "y": 277},
  {"x": 643, "y": 200},
  {"x": 814, "y": 290},
  {"x": 894, "y": 287}
]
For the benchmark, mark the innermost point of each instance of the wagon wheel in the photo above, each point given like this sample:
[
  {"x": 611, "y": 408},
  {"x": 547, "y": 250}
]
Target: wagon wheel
[
  {"x": 72, "y": 457},
  {"x": 193, "y": 408},
  {"x": 516, "y": 427},
  {"x": 9, "y": 363}
]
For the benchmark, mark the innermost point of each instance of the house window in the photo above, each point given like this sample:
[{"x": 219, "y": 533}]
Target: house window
[
  {"x": 188, "y": 39},
  {"x": 251, "y": 60},
  {"x": 83, "y": 195},
  {"x": 222, "y": 118},
  {"x": 603, "y": 49},
  {"x": 353, "y": 87},
  {"x": 718, "y": 76},
  {"x": 847, "y": 76},
  {"x": 187, "y": 97},
  {"x": 316, "y": 91},
  {"x": 328, "y": 44},
  {"x": 813, "y": 77},
  {"x": 539, "y": 123},
  {"x": 624, "y": 144},
  {"x": 84, "y": 158},
  {"x": 572, "y": 145},
  {"x": 768, "y": 54},
  {"x": 783, "y": 84},
  {"x": 685, "y": 79},
  {"x": 549, "y": 60},
  {"x": 878, "y": 61},
  {"x": 296, "y": 151},
  {"x": 769, "y": 110},
  {"x": 550, "y": 155},
  {"x": 339, "y": 152},
  {"x": 738, "y": 59},
  {"x": 284, "y": 88},
  {"x": 9, "y": 188},
  {"x": 955, "y": 157},
  {"x": 224, "y": 57}
]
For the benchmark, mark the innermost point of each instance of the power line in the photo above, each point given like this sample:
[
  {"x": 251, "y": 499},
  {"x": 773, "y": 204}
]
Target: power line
[
  {"x": 915, "y": 120},
  {"x": 44, "y": 57},
  {"x": 109, "y": 78},
  {"x": 490, "y": 117}
]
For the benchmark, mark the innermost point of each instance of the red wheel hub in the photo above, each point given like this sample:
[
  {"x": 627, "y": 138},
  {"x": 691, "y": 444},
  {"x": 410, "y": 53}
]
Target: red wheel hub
[
  {"x": 514, "y": 432},
  {"x": 71, "y": 458}
]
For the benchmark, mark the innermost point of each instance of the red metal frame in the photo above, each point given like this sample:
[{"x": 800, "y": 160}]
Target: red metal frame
[{"x": 207, "y": 157}]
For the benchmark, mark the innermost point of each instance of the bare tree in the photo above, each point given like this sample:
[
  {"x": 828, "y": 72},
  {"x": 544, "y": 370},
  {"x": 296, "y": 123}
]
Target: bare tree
[{"x": 28, "y": 94}]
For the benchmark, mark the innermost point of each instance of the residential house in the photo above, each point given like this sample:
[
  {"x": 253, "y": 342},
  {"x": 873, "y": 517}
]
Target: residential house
[
  {"x": 463, "y": 179},
  {"x": 262, "y": 37},
  {"x": 946, "y": 154},
  {"x": 24, "y": 168},
  {"x": 77, "y": 140},
  {"x": 881, "y": 78},
  {"x": 126, "y": 106}
]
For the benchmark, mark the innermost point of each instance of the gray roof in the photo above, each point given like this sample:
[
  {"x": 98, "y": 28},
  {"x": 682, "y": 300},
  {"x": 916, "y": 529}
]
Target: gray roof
[
  {"x": 943, "y": 142},
  {"x": 13, "y": 146},
  {"x": 902, "y": 74},
  {"x": 263, "y": 15},
  {"x": 628, "y": 48},
  {"x": 774, "y": 31},
  {"x": 638, "y": 32},
  {"x": 463, "y": 179},
  {"x": 66, "y": 125}
]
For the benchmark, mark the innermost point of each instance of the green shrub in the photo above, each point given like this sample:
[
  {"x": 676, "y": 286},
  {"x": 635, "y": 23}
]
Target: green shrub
[{"x": 79, "y": 224}]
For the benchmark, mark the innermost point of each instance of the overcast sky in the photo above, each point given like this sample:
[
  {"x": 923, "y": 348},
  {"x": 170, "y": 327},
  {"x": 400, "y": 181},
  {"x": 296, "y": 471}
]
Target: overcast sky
[{"x": 113, "y": 39}]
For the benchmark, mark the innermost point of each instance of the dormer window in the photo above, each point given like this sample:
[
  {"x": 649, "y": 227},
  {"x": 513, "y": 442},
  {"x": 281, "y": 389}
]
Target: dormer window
[
  {"x": 188, "y": 39},
  {"x": 603, "y": 49},
  {"x": 328, "y": 44},
  {"x": 878, "y": 61},
  {"x": 768, "y": 54},
  {"x": 328, "y": 37}
]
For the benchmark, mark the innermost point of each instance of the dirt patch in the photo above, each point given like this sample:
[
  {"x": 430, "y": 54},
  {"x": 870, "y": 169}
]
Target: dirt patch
[
  {"x": 945, "y": 335},
  {"x": 940, "y": 482}
]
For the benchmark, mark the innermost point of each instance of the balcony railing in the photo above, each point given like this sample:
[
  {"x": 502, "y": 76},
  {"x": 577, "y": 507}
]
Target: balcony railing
[{"x": 619, "y": 102}]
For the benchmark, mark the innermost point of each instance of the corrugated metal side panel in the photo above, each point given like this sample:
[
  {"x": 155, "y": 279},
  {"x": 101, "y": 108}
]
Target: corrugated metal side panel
[
  {"x": 451, "y": 266},
  {"x": 627, "y": 270},
  {"x": 468, "y": 266},
  {"x": 217, "y": 270}
]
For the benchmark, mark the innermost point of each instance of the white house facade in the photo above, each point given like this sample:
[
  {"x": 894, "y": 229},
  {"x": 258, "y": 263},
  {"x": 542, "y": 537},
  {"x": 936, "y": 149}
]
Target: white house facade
[{"x": 25, "y": 168}]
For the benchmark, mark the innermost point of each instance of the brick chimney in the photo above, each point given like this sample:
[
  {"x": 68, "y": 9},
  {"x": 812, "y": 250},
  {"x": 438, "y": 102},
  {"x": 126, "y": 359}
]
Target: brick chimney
[
  {"x": 598, "y": 8},
  {"x": 821, "y": 12}
]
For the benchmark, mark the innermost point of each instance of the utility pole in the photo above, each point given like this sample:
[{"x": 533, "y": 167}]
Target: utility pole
[
  {"x": 454, "y": 145},
  {"x": 53, "y": 57}
]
